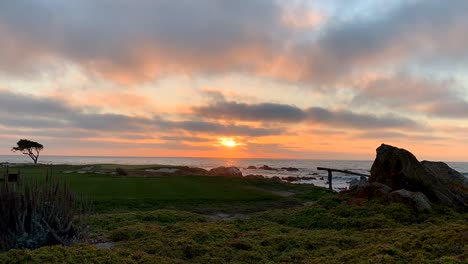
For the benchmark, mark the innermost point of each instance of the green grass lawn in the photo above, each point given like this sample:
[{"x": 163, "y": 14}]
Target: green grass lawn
[
  {"x": 170, "y": 220},
  {"x": 194, "y": 193}
]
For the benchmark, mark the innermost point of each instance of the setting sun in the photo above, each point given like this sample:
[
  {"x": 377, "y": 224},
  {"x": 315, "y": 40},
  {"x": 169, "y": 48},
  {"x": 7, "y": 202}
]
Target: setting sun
[{"x": 228, "y": 142}]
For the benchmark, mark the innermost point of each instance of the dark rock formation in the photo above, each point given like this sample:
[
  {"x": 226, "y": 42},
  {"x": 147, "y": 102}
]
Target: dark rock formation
[
  {"x": 399, "y": 169},
  {"x": 254, "y": 176},
  {"x": 291, "y": 179},
  {"x": 372, "y": 190},
  {"x": 193, "y": 171},
  {"x": 358, "y": 183},
  {"x": 307, "y": 178},
  {"x": 226, "y": 172},
  {"x": 251, "y": 167},
  {"x": 290, "y": 169},
  {"x": 265, "y": 167},
  {"x": 416, "y": 199},
  {"x": 446, "y": 174}
]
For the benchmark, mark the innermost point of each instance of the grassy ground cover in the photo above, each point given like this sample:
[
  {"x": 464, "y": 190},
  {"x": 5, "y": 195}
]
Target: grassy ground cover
[
  {"x": 329, "y": 229},
  {"x": 194, "y": 193}
]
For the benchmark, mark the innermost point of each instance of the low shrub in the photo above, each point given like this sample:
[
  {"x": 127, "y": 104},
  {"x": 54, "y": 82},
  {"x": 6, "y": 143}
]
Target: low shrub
[
  {"x": 121, "y": 172},
  {"x": 37, "y": 214}
]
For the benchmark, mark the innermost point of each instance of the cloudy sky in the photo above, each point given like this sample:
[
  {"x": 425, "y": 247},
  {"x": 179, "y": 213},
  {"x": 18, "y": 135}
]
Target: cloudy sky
[{"x": 318, "y": 79}]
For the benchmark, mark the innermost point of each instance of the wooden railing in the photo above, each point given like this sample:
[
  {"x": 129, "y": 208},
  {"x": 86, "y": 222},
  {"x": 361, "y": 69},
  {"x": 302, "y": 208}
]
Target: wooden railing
[{"x": 330, "y": 176}]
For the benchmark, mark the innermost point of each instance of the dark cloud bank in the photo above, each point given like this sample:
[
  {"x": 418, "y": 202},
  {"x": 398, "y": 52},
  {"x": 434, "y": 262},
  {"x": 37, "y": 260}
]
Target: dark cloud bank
[
  {"x": 269, "y": 112},
  {"x": 23, "y": 111}
]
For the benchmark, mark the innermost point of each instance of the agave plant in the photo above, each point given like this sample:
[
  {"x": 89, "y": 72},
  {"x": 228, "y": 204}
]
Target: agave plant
[{"x": 35, "y": 214}]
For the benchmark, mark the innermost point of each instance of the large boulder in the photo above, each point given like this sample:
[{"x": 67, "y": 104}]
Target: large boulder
[
  {"x": 226, "y": 172},
  {"x": 399, "y": 169},
  {"x": 415, "y": 199},
  {"x": 444, "y": 172},
  {"x": 372, "y": 190}
]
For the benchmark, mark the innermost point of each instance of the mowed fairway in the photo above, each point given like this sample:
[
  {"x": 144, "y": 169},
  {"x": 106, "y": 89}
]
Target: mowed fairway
[{"x": 195, "y": 193}]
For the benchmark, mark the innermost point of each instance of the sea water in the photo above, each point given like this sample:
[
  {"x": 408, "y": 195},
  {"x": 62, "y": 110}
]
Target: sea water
[{"x": 306, "y": 168}]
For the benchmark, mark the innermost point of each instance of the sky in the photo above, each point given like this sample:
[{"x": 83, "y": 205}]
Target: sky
[{"x": 317, "y": 79}]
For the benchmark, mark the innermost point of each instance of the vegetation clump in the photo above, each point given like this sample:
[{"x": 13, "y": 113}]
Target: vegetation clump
[
  {"x": 36, "y": 214},
  {"x": 246, "y": 221}
]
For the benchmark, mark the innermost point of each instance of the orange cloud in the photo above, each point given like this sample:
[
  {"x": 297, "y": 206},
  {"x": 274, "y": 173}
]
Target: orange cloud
[{"x": 300, "y": 19}]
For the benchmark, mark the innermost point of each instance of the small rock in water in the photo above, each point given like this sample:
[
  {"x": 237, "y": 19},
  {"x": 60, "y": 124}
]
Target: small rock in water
[
  {"x": 291, "y": 179},
  {"x": 251, "y": 167},
  {"x": 265, "y": 167},
  {"x": 289, "y": 168}
]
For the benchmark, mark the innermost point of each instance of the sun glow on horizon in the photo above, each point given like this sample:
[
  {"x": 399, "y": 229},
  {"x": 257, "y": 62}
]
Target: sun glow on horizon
[{"x": 228, "y": 142}]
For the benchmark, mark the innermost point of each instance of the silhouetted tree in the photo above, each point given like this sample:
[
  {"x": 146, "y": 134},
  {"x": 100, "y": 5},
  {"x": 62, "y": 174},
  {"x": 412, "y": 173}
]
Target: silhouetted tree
[{"x": 29, "y": 148}]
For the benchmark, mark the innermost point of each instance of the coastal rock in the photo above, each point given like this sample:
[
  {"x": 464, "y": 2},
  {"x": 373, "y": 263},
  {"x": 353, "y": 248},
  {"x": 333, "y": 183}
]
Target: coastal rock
[
  {"x": 171, "y": 171},
  {"x": 446, "y": 174},
  {"x": 251, "y": 167},
  {"x": 291, "y": 179},
  {"x": 226, "y": 172},
  {"x": 358, "y": 183},
  {"x": 194, "y": 171},
  {"x": 254, "y": 176},
  {"x": 399, "y": 169},
  {"x": 372, "y": 190},
  {"x": 265, "y": 167},
  {"x": 290, "y": 169},
  {"x": 307, "y": 178},
  {"x": 416, "y": 199},
  {"x": 276, "y": 178}
]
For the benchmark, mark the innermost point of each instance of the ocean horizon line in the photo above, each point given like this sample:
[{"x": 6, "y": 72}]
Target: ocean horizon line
[
  {"x": 182, "y": 157},
  {"x": 237, "y": 158}
]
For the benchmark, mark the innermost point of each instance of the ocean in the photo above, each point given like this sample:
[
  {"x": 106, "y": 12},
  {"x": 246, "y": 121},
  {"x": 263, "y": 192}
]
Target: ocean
[{"x": 306, "y": 168}]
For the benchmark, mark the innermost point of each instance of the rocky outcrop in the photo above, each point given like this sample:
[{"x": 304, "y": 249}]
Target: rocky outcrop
[
  {"x": 291, "y": 179},
  {"x": 372, "y": 190},
  {"x": 226, "y": 172},
  {"x": 266, "y": 167},
  {"x": 172, "y": 171},
  {"x": 446, "y": 174},
  {"x": 254, "y": 176},
  {"x": 358, "y": 183},
  {"x": 399, "y": 169},
  {"x": 416, "y": 199},
  {"x": 290, "y": 169},
  {"x": 251, "y": 167}
]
